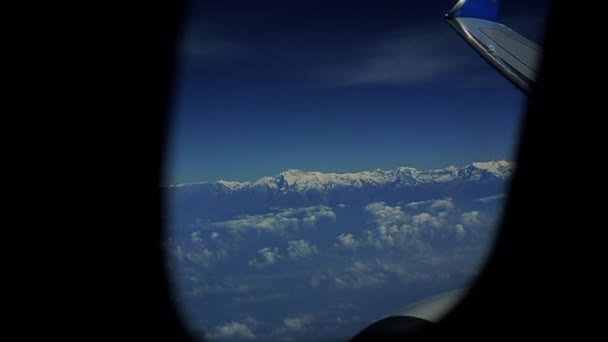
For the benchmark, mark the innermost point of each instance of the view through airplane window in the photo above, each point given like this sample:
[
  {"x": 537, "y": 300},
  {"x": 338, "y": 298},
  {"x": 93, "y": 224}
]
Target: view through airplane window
[{"x": 332, "y": 162}]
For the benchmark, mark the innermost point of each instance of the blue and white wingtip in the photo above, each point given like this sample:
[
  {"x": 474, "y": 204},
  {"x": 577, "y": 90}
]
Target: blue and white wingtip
[{"x": 479, "y": 9}]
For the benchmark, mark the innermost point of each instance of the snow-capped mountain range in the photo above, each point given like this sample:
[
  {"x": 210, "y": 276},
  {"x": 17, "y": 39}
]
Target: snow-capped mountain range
[
  {"x": 301, "y": 181},
  {"x": 295, "y": 189}
]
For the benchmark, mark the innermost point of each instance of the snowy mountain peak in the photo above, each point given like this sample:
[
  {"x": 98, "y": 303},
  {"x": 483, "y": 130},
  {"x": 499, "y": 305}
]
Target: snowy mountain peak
[
  {"x": 234, "y": 185},
  {"x": 266, "y": 181},
  {"x": 298, "y": 180},
  {"x": 294, "y": 172},
  {"x": 404, "y": 170},
  {"x": 500, "y": 168},
  {"x": 293, "y": 176}
]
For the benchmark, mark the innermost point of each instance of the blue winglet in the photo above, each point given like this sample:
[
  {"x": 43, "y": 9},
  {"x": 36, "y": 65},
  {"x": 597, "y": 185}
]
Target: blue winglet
[{"x": 480, "y": 9}]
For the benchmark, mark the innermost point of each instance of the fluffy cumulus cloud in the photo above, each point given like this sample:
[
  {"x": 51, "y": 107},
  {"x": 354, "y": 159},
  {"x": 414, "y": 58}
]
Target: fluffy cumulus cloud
[
  {"x": 390, "y": 228},
  {"x": 299, "y": 323},
  {"x": 384, "y": 214},
  {"x": 387, "y": 236},
  {"x": 193, "y": 249},
  {"x": 471, "y": 218},
  {"x": 196, "y": 237},
  {"x": 445, "y": 204},
  {"x": 252, "y": 322},
  {"x": 200, "y": 288},
  {"x": 414, "y": 230},
  {"x": 295, "y": 325},
  {"x": 393, "y": 247},
  {"x": 206, "y": 257},
  {"x": 301, "y": 249},
  {"x": 364, "y": 274},
  {"x": 267, "y": 222},
  {"x": 347, "y": 240},
  {"x": 312, "y": 215},
  {"x": 233, "y": 330},
  {"x": 278, "y": 222},
  {"x": 460, "y": 230},
  {"x": 427, "y": 219},
  {"x": 269, "y": 256},
  {"x": 359, "y": 275}
]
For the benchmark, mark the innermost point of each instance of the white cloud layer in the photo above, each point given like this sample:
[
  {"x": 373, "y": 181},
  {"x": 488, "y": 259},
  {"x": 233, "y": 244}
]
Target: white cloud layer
[
  {"x": 196, "y": 237},
  {"x": 491, "y": 198},
  {"x": 411, "y": 57},
  {"x": 301, "y": 249},
  {"x": 204, "y": 256},
  {"x": 471, "y": 218},
  {"x": 393, "y": 246},
  {"x": 234, "y": 330},
  {"x": 347, "y": 240},
  {"x": 278, "y": 222},
  {"x": 384, "y": 214},
  {"x": 298, "y": 324},
  {"x": 268, "y": 255},
  {"x": 427, "y": 219},
  {"x": 442, "y": 205},
  {"x": 460, "y": 230}
]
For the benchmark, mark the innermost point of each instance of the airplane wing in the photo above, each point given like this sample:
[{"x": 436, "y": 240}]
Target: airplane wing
[
  {"x": 513, "y": 55},
  {"x": 411, "y": 319}
]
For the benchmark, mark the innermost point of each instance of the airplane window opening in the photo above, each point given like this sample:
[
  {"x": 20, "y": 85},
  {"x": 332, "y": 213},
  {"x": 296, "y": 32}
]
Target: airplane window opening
[{"x": 333, "y": 164}]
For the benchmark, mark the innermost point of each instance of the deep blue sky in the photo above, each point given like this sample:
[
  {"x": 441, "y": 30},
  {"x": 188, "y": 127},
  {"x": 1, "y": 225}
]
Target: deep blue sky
[{"x": 336, "y": 86}]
